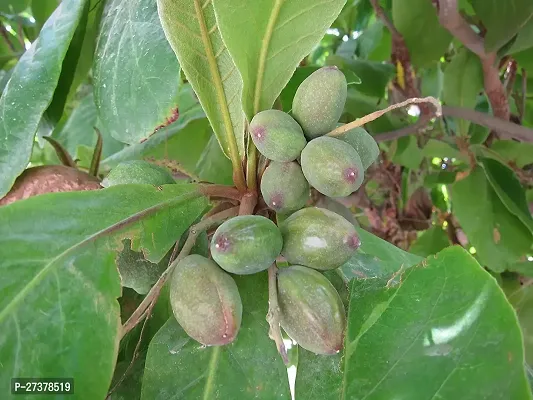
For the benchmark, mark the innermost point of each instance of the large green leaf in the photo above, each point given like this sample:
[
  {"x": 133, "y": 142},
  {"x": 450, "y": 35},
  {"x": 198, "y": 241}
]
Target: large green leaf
[
  {"x": 509, "y": 190},
  {"x": 192, "y": 30},
  {"x": 268, "y": 39},
  {"x": 502, "y": 20},
  {"x": 42, "y": 9},
  {"x": 30, "y": 90},
  {"x": 425, "y": 38},
  {"x": 498, "y": 236},
  {"x": 136, "y": 76},
  {"x": 444, "y": 331},
  {"x": 58, "y": 309},
  {"x": 463, "y": 80},
  {"x": 249, "y": 368}
]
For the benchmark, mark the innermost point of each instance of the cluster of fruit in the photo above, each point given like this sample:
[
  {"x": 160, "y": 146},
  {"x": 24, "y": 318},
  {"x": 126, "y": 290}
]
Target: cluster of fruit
[
  {"x": 333, "y": 164},
  {"x": 205, "y": 299}
]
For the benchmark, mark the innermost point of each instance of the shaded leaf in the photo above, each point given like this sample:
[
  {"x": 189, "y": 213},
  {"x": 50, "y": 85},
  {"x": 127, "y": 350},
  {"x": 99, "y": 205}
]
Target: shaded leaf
[
  {"x": 430, "y": 242},
  {"x": 60, "y": 285},
  {"x": 408, "y": 153},
  {"x": 281, "y": 35},
  {"x": 178, "y": 366},
  {"x": 213, "y": 166},
  {"x": 509, "y": 190},
  {"x": 425, "y": 38},
  {"x": 30, "y": 90},
  {"x": 480, "y": 212},
  {"x": 136, "y": 75},
  {"x": 502, "y": 21},
  {"x": 463, "y": 80},
  {"x": 193, "y": 33},
  {"x": 520, "y": 153}
]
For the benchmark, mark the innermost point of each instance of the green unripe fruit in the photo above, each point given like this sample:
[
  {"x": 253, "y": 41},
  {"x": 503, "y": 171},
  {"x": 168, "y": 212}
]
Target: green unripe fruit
[
  {"x": 312, "y": 312},
  {"x": 284, "y": 187},
  {"x": 332, "y": 166},
  {"x": 365, "y": 145},
  {"x": 318, "y": 238},
  {"x": 319, "y": 101},
  {"x": 205, "y": 301},
  {"x": 138, "y": 171},
  {"x": 246, "y": 244},
  {"x": 277, "y": 135}
]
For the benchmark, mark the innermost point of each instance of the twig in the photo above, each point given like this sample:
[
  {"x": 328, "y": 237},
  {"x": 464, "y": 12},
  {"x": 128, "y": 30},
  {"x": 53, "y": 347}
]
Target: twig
[
  {"x": 273, "y": 313},
  {"x": 417, "y": 127},
  {"x": 5, "y": 35},
  {"x": 227, "y": 192},
  {"x": 505, "y": 128},
  {"x": 153, "y": 294},
  {"x": 376, "y": 114},
  {"x": 97, "y": 154},
  {"x": 248, "y": 203}
]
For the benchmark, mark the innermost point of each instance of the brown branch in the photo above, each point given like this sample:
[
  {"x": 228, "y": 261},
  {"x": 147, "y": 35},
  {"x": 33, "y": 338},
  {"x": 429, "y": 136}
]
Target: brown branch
[
  {"x": 248, "y": 203},
  {"x": 226, "y": 192},
  {"x": 505, "y": 128},
  {"x": 380, "y": 13},
  {"x": 153, "y": 294},
  {"x": 451, "y": 19},
  {"x": 273, "y": 313}
]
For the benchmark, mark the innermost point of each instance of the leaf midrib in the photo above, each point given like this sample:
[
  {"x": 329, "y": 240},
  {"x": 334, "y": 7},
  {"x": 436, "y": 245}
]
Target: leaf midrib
[
  {"x": 217, "y": 80},
  {"x": 263, "y": 53},
  {"x": 114, "y": 227}
]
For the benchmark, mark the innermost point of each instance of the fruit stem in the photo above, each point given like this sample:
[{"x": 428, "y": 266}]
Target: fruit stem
[
  {"x": 227, "y": 192},
  {"x": 273, "y": 312},
  {"x": 251, "y": 168},
  {"x": 248, "y": 203},
  {"x": 142, "y": 310},
  {"x": 376, "y": 114}
]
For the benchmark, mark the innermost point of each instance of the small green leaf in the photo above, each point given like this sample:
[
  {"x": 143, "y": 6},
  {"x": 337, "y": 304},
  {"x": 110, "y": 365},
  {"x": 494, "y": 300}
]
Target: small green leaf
[
  {"x": 424, "y": 36},
  {"x": 520, "y": 153},
  {"x": 30, "y": 90},
  {"x": 509, "y": 190},
  {"x": 430, "y": 242},
  {"x": 408, "y": 153},
  {"x": 279, "y": 34},
  {"x": 463, "y": 80},
  {"x": 498, "y": 236},
  {"x": 192, "y": 30},
  {"x": 136, "y": 76},
  {"x": 58, "y": 295},
  {"x": 248, "y": 368},
  {"x": 502, "y": 21}
]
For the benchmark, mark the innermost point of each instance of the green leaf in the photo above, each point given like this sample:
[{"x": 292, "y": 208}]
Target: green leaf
[
  {"x": 42, "y": 9},
  {"x": 213, "y": 166},
  {"x": 279, "y": 34},
  {"x": 249, "y": 368},
  {"x": 502, "y": 21},
  {"x": 58, "y": 295},
  {"x": 509, "y": 190},
  {"x": 521, "y": 297},
  {"x": 524, "y": 38},
  {"x": 498, "y": 236},
  {"x": 425, "y": 38},
  {"x": 463, "y": 80},
  {"x": 78, "y": 129},
  {"x": 430, "y": 242},
  {"x": 192, "y": 30},
  {"x": 376, "y": 258},
  {"x": 30, "y": 90},
  {"x": 445, "y": 331},
  {"x": 520, "y": 153},
  {"x": 13, "y": 6},
  {"x": 136, "y": 76},
  {"x": 408, "y": 153},
  {"x": 432, "y": 80},
  {"x": 374, "y": 75},
  {"x": 180, "y": 144}
]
